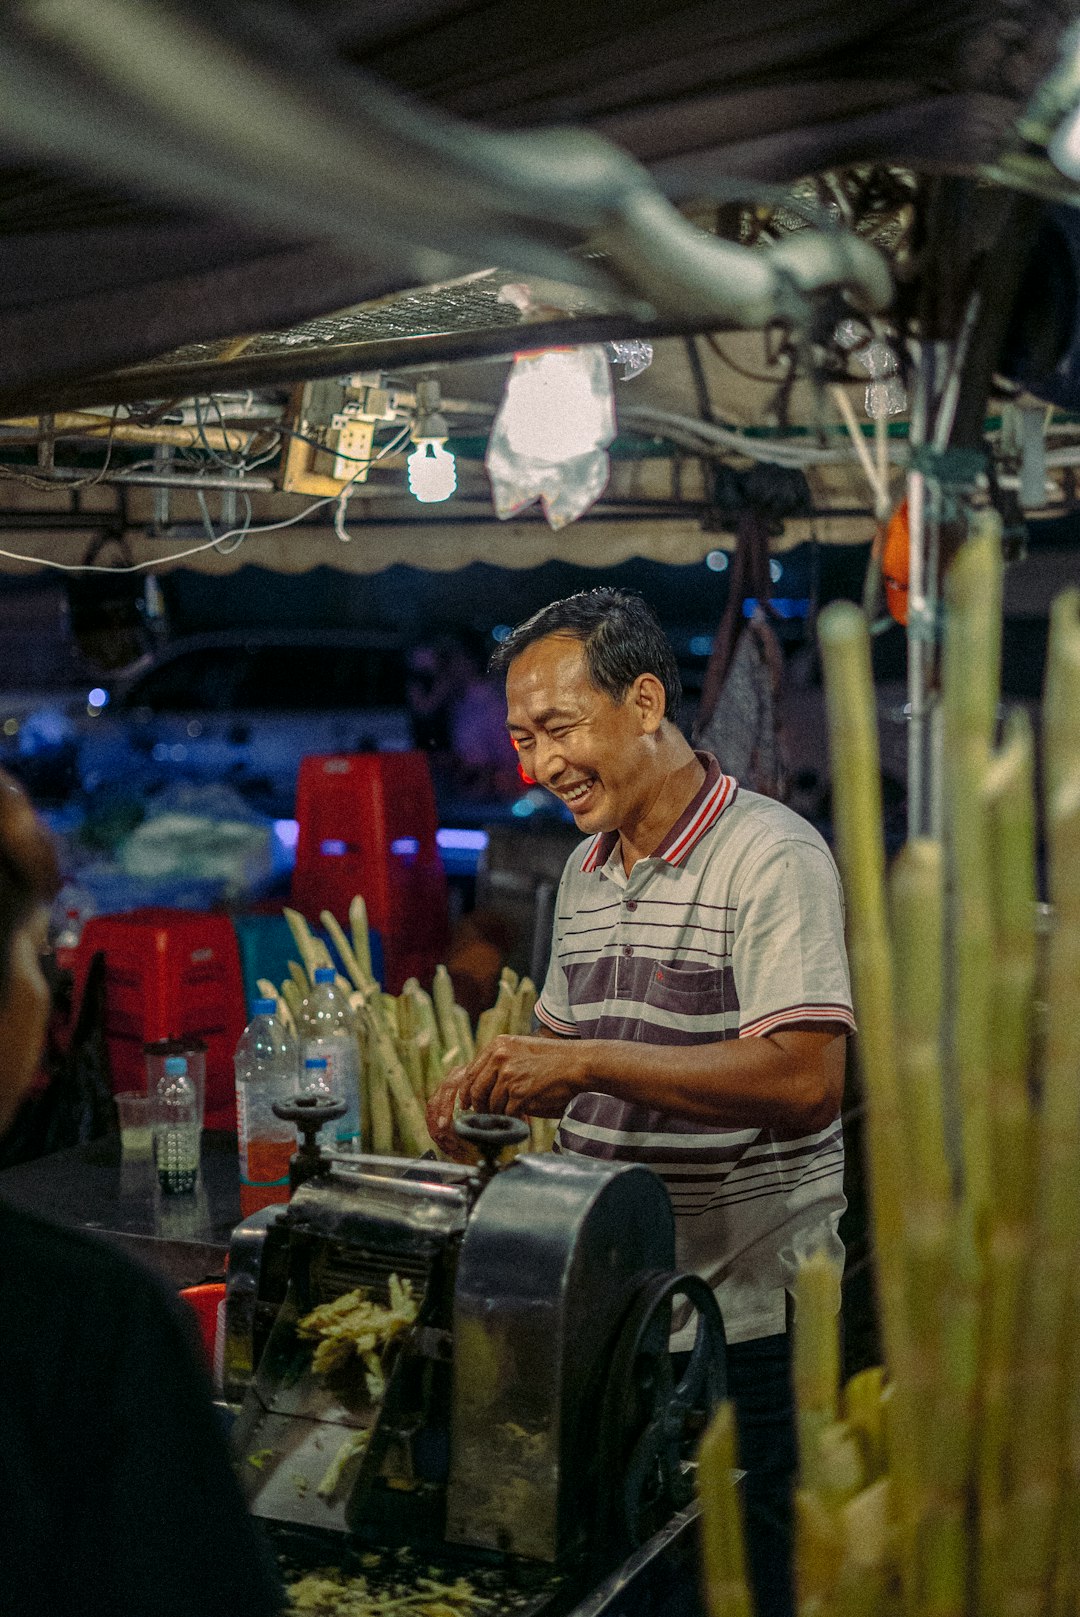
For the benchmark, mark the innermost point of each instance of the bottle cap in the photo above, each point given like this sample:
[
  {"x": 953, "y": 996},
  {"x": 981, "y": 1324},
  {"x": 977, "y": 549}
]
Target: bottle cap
[
  {"x": 264, "y": 1007},
  {"x": 176, "y": 1066},
  {"x": 314, "y": 1062},
  {"x": 325, "y": 974}
]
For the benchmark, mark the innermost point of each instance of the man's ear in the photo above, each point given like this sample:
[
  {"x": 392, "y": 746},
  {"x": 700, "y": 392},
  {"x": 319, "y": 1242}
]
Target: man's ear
[{"x": 650, "y": 701}]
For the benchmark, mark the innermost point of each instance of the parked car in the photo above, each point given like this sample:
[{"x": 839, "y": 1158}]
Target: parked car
[{"x": 243, "y": 707}]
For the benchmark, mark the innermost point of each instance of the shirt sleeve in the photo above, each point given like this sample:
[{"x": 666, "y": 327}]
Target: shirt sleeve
[
  {"x": 788, "y": 957},
  {"x": 553, "y": 1009}
]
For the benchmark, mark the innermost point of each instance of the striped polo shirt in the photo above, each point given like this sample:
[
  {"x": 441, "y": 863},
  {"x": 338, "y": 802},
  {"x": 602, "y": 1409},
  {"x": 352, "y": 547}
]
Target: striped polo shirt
[{"x": 732, "y": 928}]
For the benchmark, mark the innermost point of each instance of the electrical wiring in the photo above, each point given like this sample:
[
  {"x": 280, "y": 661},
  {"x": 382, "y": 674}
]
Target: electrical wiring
[
  {"x": 209, "y": 544},
  {"x": 44, "y": 484}
]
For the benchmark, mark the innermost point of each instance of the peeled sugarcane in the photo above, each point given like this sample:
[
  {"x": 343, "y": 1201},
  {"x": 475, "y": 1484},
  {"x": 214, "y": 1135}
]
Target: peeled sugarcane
[
  {"x": 971, "y": 680},
  {"x": 422, "y": 1017},
  {"x": 412, "y": 1061},
  {"x": 463, "y": 1028},
  {"x": 1010, "y": 795},
  {"x": 942, "y": 1281},
  {"x": 345, "y": 951},
  {"x": 294, "y": 1000},
  {"x": 986, "y": 1262},
  {"x": 430, "y": 1063},
  {"x": 525, "y": 997},
  {"x": 361, "y": 938},
  {"x": 849, "y": 692},
  {"x": 299, "y": 978},
  {"x": 1036, "y": 1458},
  {"x": 381, "y": 1114},
  {"x": 722, "y": 1555},
  {"x": 281, "y": 1010},
  {"x": 408, "y": 1111},
  {"x": 304, "y": 940},
  {"x": 442, "y": 994}
]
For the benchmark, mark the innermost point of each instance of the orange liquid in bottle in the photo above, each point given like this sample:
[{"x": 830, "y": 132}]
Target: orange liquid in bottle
[{"x": 267, "y": 1160}]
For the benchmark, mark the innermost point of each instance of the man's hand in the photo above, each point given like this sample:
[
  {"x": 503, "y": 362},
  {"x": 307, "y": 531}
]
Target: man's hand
[{"x": 524, "y": 1077}]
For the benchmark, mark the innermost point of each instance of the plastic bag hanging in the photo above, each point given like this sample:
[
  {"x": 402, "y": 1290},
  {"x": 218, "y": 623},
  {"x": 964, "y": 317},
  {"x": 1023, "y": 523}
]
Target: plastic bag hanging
[{"x": 550, "y": 435}]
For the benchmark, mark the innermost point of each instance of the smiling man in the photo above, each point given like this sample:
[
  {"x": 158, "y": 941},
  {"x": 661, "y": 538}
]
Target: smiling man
[{"x": 696, "y": 1007}]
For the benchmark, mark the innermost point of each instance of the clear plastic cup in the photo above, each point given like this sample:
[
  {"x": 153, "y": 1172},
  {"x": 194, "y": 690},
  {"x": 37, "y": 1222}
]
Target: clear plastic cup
[{"x": 136, "y": 1114}]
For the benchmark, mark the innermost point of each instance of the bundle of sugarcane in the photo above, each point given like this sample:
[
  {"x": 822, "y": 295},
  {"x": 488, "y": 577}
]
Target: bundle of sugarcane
[
  {"x": 408, "y": 1042},
  {"x": 948, "y": 1484}
]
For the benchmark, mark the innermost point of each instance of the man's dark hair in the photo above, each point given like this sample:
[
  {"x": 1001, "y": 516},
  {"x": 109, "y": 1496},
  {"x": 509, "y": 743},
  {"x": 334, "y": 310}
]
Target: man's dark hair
[{"x": 621, "y": 636}]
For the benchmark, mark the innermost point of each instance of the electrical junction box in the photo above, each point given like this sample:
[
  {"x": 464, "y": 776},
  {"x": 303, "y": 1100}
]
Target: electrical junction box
[{"x": 333, "y": 422}]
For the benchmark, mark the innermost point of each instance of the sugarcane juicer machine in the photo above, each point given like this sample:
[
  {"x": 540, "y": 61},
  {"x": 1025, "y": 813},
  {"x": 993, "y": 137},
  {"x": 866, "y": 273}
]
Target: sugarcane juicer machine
[{"x": 530, "y": 1407}]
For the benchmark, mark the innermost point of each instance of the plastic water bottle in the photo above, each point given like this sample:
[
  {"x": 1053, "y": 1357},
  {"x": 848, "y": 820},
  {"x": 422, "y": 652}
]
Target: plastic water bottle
[
  {"x": 178, "y": 1129},
  {"x": 328, "y": 1032},
  {"x": 267, "y": 1070}
]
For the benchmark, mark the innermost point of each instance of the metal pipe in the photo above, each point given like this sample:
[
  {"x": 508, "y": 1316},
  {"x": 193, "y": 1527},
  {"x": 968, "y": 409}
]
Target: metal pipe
[
  {"x": 177, "y": 480},
  {"x": 922, "y": 354}
]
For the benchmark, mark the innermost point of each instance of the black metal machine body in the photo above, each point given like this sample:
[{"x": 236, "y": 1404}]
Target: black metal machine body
[{"x": 500, "y": 1428}]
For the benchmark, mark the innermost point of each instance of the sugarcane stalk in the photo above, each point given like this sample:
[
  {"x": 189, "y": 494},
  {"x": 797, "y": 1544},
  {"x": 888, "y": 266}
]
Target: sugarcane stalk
[
  {"x": 942, "y": 1298},
  {"x": 422, "y": 1017},
  {"x": 301, "y": 981},
  {"x": 442, "y": 993},
  {"x": 525, "y": 997},
  {"x": 450, "y": 1059},
  {"x": 510, "y": 977},
  {"x": 464, "y": 1034},
  {"x": 281, "y": 1010},
  {"x": 408, "y": 1111},
  {"x": 382, "y": 1117},
  {"x": 970, "y": 685},
  {"x": 361, "y": 937},
  {"x": 303, "y": 939},
  {"x": 412, "y": 1061},
  {"x": 345, "y": 949},
  {"x": 849, "y": 692},
  {"x": 487, "y": 1028},
  {"x": 1061, "y": 697},
  {"x": 294, "y": 1000},
  {"x": 722, "y": 1552},
  {"x": 430, "y": 1063},
  {"x": 1011, "y": 808},
  {"x": 815, "y": 1361},
  {"x": 1036, "y": 1457},
  {"x": 863, "y": 1412}
]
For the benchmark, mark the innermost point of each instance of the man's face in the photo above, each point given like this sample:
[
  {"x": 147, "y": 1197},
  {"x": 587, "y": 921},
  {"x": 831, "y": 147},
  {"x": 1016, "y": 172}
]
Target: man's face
[{"x": 589, "y": 751}]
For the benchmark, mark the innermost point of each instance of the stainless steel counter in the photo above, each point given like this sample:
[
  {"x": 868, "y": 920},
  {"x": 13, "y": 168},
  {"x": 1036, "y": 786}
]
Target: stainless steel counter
[{"x": 184, "y": 1237}]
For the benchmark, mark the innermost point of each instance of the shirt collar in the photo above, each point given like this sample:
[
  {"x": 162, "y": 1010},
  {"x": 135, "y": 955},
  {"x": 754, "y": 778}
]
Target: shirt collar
[{"x": 717, "y": 790}]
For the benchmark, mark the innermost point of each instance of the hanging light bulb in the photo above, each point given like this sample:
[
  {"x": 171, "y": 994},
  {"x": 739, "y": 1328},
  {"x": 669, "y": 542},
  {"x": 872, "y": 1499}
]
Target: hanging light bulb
[{"x": 432, "y": 470}]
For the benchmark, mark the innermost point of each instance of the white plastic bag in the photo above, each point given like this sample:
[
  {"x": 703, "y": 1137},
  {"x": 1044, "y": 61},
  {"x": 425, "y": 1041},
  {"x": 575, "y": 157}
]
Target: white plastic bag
[{"x": 550, "y": 435}]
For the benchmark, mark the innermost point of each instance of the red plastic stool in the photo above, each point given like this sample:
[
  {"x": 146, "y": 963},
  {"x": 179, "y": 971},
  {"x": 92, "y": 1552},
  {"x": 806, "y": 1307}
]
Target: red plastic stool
[
  {"x": 367, "y": 825},
  {"x": 169, "y": 974}
]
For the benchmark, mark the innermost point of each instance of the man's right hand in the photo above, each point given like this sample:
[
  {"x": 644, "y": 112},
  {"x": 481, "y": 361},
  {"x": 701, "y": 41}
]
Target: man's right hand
[{"x": 440, "y": 1119}]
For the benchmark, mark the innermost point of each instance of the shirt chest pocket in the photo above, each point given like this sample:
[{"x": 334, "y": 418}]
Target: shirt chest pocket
[{"x": 691, "y": 991}]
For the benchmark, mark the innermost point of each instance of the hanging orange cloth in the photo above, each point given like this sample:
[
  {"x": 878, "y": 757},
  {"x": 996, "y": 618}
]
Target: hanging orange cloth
[{"x": 894, "y": 563}]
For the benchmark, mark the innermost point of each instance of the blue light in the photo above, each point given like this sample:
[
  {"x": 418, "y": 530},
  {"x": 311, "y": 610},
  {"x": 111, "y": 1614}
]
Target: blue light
[
  {"x": 700, "y": 645},
  {"x": 501, "y": 632},
  {"x": 98, "y": 697},
  {"x": 287, "y": 832},
  {"x": 405, "y": 847},
  {"x": 784, "y": 606},
  {"x": 474, "y": 841},
  {"x": 717, "y": 561},
  {"x": 523, "y": 808},
  {"x": 333, "y": 848}
]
